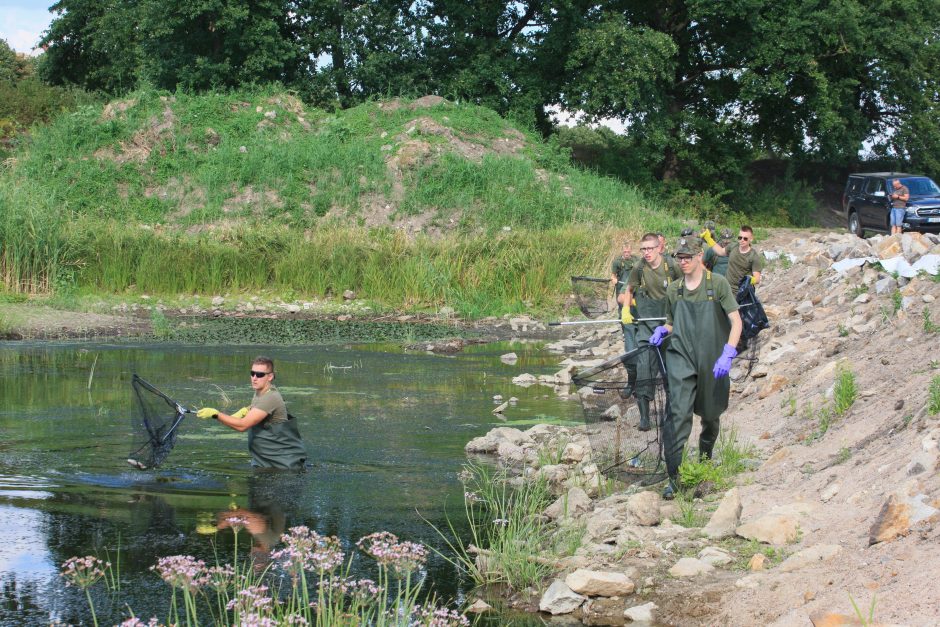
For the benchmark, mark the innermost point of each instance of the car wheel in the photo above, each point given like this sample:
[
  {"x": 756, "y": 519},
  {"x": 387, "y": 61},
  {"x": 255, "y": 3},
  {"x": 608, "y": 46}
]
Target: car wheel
[{"x": 855, "y": 224}]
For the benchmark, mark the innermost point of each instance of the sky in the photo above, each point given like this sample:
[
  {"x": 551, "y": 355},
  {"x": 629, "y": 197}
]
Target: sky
[{"x": 23, "y": 21}]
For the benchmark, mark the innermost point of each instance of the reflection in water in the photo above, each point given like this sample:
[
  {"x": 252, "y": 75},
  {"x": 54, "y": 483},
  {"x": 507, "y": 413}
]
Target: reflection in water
[{"x": 385, "y": 437}]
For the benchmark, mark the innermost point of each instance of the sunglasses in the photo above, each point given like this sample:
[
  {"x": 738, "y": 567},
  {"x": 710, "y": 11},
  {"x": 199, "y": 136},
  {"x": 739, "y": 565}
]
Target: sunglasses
[
  {"x": 257, "y": 375},
  {"x": 743, "y": 239}
]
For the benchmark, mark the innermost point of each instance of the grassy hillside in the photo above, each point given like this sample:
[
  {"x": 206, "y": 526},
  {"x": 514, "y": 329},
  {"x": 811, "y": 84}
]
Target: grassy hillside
[{"x": 414, "y": 204}]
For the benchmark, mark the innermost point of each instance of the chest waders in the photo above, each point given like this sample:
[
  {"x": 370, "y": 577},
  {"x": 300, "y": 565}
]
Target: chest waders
[
  {"x": 699, "y": 333},
  {"x": 647, "y": 371},
  {"x": 276, "y": 445}
]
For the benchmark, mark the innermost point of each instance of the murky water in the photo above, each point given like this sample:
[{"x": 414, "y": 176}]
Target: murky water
[{"x": 384, "y": 429}]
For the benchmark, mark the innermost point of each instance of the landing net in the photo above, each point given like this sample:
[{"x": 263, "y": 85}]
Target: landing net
[
  {"x": 611, "y": 409},
  {"x": 154, "y": 425},
  {"x": 591, "y": 295}
]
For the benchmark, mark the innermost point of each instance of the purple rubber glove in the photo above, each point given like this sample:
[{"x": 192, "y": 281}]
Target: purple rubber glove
[
  {"x": 723, "y": 365},
  {"x": 658, "y": 334}
]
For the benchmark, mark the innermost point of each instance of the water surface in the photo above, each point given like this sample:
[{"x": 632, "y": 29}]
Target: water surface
[{"x": 384, "y": 428}]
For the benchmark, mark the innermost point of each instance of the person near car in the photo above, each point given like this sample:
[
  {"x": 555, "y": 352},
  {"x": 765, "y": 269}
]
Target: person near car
[
  {"x": 900, "y": 194},
  {"x": 703, "y": 326},
  {"x": 743, "y": 258}
]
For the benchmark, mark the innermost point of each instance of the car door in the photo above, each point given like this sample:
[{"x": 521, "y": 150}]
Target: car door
[{"x": 873, "y": 213}]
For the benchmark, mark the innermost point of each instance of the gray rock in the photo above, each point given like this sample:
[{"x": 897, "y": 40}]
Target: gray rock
[
  {"x": 560, "y": 599},
  {"x": 509, "y": 358},
  {"x": 511, "y": 453},
  {"x": 525, "y": 380},
  {"x": 885, "y": 285},
  {"x": 715, "y": 556},
  {"x": 690, "y": 567},
  {"x": 479, "y": 607},
  {"x": 644, "y": 507},
  {"x": 863, "y": 298},
  {"x": 575, "y": 502},
  {"x": 446, "y": 311},
  {"x": 641, "y": 613},
  {"x": 217, "y": 301},
  {"x": 805, "y": 308},
  {"x": 725, "y": 520},
  {"x": 596, "y": 583},
  {"x": 602, "y": 525},
  {"x": 776, "y": 529},
  {"x": 831, "y": 490},
  {"x": 573, "y": 453},
  {"x": 807, "y": 557}
]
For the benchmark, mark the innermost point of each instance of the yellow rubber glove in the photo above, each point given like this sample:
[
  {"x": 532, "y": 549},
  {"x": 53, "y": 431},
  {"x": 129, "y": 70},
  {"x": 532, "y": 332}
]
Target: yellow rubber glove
[
  {"x": 241, "y": 413},
  {"x": 753, "y": 280},
  {"x": 625, "y": 316},
  {"x": 207, "y": 412},
  {"x": 707, "y": 237}
]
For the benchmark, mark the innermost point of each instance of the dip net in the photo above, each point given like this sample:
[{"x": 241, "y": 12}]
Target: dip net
[
  {"x": 154, "y": 425},
  {"x": 591, "y": 295},
  {"x": 612, "y": 415}
]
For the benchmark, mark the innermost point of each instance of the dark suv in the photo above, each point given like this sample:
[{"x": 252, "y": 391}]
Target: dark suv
[{"x": 866, "y": 202}]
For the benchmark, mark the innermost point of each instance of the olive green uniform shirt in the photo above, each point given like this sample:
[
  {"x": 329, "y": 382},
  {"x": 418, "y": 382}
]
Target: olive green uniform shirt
[
  {"x": 720, "y": 287},
  {"x": 272, "y": 404},
  {"x": 621, "y": 269},
  {"x": 742, "y": 264},
  {"x": 653, "y": 280}
]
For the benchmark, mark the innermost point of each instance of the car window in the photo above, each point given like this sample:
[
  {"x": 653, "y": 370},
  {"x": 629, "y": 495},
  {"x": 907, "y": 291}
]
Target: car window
[
  {"x": 874, "y": 185},
  {"x": 854, "y": 185},
  {"x": 921, "y": 186}
]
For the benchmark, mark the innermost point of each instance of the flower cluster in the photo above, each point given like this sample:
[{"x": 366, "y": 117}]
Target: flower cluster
[
  {"x": 237, "y": 523},
  {"x": 253, "y": 600},
  {"x": 386, "y": 549},
  {"x": 308, "y": 550},
  {"x": 219, "y": 577},
  {"x": 472, "y": 497},
  {"x": 133, "y": 621},
  {"x": 182, "y": 571},
  {"x": 83, "y": 571},
  {"x": 437, "y": 617},
  {"x": 361, "y": 588}
]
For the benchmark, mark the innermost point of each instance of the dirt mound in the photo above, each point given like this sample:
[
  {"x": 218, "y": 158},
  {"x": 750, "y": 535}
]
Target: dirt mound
[{"x": 152, "y": 137}]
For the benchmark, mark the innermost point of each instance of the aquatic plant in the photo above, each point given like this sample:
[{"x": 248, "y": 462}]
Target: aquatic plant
[{"x": 84, "y": 572}]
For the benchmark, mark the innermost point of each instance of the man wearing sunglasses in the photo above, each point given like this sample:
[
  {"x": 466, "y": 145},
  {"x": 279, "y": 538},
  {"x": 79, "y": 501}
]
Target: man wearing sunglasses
[
  {"x": 273, "y": 438},
  {"x": 743, "y": 258},
  {"x": 703, "y": 326}
]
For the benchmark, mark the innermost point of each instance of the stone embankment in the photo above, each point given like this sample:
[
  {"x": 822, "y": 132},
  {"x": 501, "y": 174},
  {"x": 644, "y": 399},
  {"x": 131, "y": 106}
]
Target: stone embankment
[{"x": 837, "y": 508}]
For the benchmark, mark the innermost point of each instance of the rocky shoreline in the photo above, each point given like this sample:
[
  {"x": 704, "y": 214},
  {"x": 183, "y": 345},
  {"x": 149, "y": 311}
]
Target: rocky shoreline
[{"x": 832, "y": 509}]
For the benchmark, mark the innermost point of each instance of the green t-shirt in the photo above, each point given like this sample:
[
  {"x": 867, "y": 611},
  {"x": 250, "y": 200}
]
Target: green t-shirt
[
  {"x": 721, "y": 292},
  {"x": 717, "y": 263},
  {"x": 272, "y": 404},
  {"x": 742, "y": 264},
  {"x": 621, "y": 269},
  {"x": 653, "y": 280}
]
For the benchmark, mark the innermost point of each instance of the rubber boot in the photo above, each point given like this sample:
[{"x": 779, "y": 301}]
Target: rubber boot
[
  {"x": 705, "y": 450},
  {"x": 643, "y": 405},
  {"x": 669, "y": 492}
]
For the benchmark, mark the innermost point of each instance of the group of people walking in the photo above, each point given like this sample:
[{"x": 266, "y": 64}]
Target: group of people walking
[{"x": 685, "y": 302}]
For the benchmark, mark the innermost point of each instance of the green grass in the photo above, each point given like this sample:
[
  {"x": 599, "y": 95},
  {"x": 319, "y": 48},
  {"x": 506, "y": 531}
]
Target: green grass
[
  {"x": 929, "y": 325},
  {"x": 933, "y": 396},
  {"x": 232, "y": 200},
  {"x": 845, "y": 391}
]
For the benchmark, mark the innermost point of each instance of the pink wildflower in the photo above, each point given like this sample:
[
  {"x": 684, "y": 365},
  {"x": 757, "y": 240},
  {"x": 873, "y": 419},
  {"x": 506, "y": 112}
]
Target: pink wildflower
[
  {"x": 308, "y": 550},
  {"x": 388, "y": 551},
  {"x": 182, "y": 571},
  {"x": 219, "y": 577},
  {"x": 437, "y": 617},
  {"x": 251, "y": 600},
  {"x": 133, "y": 621},
  {"x": 83, "y": 571}
]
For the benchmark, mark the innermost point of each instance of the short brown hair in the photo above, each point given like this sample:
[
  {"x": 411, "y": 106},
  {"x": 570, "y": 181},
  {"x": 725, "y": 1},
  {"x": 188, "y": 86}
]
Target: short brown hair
[
  {"x": 650, "y": 237},
  {"x": 263, "y": 361},
  {"x": 747, "y": 229}
]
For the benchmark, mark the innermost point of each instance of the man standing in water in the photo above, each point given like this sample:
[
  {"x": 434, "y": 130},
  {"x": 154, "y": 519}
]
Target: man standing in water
[
  {"x": 704, "y": 327},
  {"x": 273, "y": 438},
  {"x": 647, "y": 285}
]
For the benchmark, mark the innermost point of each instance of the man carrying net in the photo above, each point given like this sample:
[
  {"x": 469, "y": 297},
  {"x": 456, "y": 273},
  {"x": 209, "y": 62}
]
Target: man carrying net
[
  {"x": 647, "y": 285},
  {"x": 703, "y": 324},
  {"x": 273, "y": 438}
]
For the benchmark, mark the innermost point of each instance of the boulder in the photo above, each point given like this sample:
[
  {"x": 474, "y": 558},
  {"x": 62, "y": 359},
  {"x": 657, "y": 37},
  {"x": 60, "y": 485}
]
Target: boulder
[
  {"x": 885, "y": 285},
  {"x": 808, "y": 557},
  {"x": 573, "y": 453},
  {"x": 888, "y": 247},
  {"x": 525, "y": 380},
  {"x": 483, "y": 445},
  {"x": 897, "y": 515},
  {"x": 804, "y": 308},
  {"x": 715, "y": 556},
  {"x": 726, "y": 518},
  {"x": 575, "y": 502},
  {"x": 757, "y": 562},
  {"x": 601, "y": 525},
  {"x": 509, "y": 358},
  {"x": 776, "y": 529},
  {"x": 479, "y": 607},
  {"x": 509, "y": 434},
  {"x": 774, "y": 384},
  {"x": 641, "y": 613},
  {"x": 560, "y": 599},
  {"x": 510, "y": 453},
  {"x": 644, "y": 507},
  {"x": 596, "y": 583},
  {"x": 690, "y": 567}
]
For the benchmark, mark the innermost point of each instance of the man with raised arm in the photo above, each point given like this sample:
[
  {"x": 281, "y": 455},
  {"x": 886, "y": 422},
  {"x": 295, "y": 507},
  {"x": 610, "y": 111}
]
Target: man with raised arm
[
  {"x": 743, "y": 258},
  {"x": 703, "y": 327},
  {"x": 647, "y": 285},
  {"x": 273, "y": 438}
]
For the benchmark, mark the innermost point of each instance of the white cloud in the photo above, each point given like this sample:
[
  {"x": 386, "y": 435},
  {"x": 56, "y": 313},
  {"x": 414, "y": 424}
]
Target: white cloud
[{"x": 22, "y": 28}]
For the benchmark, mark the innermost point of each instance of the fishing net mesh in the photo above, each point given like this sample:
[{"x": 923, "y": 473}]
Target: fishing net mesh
[
  {"x": 612, "y": 414},
  {"x": 591, "y": 295},
  {"x": 154, "y": 425}
]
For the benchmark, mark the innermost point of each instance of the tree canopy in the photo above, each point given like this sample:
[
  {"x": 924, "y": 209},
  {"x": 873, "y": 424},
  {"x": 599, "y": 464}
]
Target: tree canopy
[{"x": 702, "y": 86}]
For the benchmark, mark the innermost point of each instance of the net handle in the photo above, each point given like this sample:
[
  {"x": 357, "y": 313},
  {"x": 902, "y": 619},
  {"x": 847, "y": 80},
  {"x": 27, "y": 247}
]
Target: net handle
[
  {"x": 590, "y": 278},
  {"x": 180, "y": 408},
  {"x": 578, "y": 379}
]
